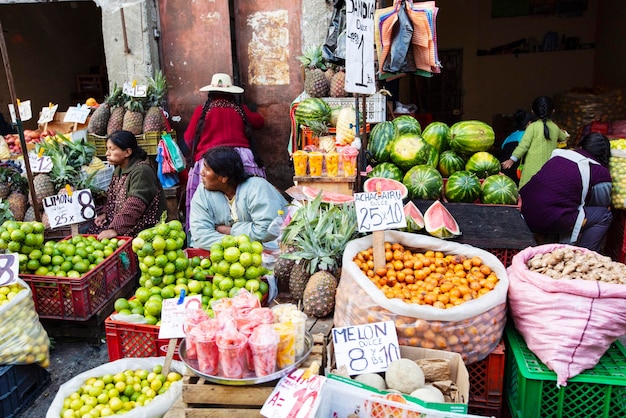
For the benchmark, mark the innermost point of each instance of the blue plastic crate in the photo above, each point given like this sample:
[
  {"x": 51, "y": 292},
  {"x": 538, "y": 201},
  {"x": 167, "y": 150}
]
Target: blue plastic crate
[{"x": 20, "y": 385}]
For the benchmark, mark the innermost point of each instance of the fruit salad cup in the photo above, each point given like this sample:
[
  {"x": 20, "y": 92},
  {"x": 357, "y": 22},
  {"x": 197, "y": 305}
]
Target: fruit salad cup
[
  {"x": 263, "y": 344},
  {"x": 332, "y": 164},
  {"x": 349, "y": 157},
  {"x": 231, "y": 345},
  {"x": 286, "y": 352},
  {"x": 299, "y": 162},
  {"x": 315, "y": 163}
]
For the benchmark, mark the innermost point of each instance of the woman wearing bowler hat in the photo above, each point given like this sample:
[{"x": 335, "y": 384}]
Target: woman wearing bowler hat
[{"x": 222, "y": 121}]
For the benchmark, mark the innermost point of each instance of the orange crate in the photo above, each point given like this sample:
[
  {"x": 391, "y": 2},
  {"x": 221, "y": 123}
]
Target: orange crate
[
  {"x": 134, "y": 340},
  {"x": 487, "y": 383},
  {"x": 79, "y": 299}
]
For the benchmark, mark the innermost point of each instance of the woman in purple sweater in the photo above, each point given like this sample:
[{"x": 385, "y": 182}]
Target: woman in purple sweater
[{"x": 571, "y": 195}]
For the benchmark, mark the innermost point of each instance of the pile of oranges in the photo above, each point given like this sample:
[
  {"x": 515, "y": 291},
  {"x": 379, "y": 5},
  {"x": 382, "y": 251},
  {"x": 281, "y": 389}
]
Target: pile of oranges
[{"x": 427, "y": 278}]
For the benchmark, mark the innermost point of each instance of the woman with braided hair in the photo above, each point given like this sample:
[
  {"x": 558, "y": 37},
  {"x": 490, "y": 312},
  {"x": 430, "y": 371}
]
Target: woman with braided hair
[
  {"x": 540, "y": 138},
  {"x": 222, "y": 121}
]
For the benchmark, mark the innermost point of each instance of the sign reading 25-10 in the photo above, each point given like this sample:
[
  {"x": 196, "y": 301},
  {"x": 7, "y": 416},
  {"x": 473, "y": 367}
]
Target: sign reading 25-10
[{"x": 360, "y": 71}]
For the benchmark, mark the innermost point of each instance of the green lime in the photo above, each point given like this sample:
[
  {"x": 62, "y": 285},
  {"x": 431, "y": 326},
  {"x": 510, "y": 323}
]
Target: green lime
[
  {"x": 257, "y": 247},
  {"x": 121, "y": 303},
  {"x": 231, "y": 254},
  {"x": 236, "y": 270}
]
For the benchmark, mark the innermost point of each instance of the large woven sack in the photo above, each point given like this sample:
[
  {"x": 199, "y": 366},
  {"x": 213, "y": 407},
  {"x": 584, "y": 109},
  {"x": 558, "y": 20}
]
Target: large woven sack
[
  {"x": 472, "y": 329},
  {"x": 568, "y": 324}
]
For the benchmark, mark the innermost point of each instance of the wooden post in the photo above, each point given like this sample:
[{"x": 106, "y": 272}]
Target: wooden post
[{"x": 171, "y": 349}]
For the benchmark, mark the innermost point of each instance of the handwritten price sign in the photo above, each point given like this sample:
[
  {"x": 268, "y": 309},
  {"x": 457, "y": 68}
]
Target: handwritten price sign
[
  {"x": 64, "y": 209},
  {"x": 47, "y": 114},
  {"x": 134, "y": 90},
  {"x": 368, "y": 348},
  {"x": 39, "y": 164},
  {"x": 379, "y": 211},
  {"x": 360, "y": 69},
  {"x": 173, "y": 316},
  {"x": 294, "y": 397},
  {"x": 76, "y": 114},
  {"x": 9, "y": 269}
]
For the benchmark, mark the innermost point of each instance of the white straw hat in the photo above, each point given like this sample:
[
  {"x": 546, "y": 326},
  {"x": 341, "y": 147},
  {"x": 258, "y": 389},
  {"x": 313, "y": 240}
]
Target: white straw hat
[{"x": 222, "y": 82}]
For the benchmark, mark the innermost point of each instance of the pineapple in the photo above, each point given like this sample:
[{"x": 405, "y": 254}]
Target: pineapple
[
  {"x": 133, "y": 117},
  {"x": 315, "y": 82},
  {"x": 43, "y": 186},
  {"x": 282, "y": 272},
  {"x": 62, "y": 172},
  {"x": 155, "y": 119},
  {"x": 319, "y": 294},
  {"x": 18, "y": 203},
  {"x": 338, "y": 84},
  {"x": 117, "y": 114},
  {"x": 298, "y": 279},
  {"x": 329, "y": 73},
  {"x": 100, "y": 118}
]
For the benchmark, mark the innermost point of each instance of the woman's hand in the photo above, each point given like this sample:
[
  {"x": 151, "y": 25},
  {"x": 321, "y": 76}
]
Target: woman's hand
[
  {"x": 223, "y": 229},
  {"x": 100, "y": 220},
  {"x": 107, "y": 233},
  {"x": 507, "y": 164}
]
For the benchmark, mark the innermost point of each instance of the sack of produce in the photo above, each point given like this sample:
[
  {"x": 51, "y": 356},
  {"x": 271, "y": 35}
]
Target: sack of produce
[
  {"x": 467, "y": 315},
  {"x": 146, "y": 369},
  {"x": 617, "y": 168},
  {"x": 568, "y": 304},
  {"x": 23, "y": 340}
]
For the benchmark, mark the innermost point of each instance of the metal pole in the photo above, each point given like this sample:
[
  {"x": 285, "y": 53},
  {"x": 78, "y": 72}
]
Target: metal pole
[{"x": 18, "y": 122}]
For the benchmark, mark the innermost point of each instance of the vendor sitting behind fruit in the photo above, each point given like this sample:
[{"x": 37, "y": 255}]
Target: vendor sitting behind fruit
[
  {"x": 570, "y": 196},
  {"x": 231, "y": 202},
  {"x": 135, "y": 198}
]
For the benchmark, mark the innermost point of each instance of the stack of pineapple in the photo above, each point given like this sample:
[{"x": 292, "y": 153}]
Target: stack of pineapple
[
  {"x": 322, "y": 79},
  {"x": 122, "y": 112},
  {"x": 13, "y": 191}
]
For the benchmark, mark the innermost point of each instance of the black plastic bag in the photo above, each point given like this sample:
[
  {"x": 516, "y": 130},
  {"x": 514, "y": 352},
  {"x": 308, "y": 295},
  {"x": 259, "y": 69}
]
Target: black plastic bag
[{"x": 334, "y": 49}]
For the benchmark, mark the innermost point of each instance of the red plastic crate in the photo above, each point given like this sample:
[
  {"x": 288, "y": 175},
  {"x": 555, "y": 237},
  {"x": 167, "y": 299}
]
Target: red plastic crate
[
  {"x": 134, "y": 340},
  {"x": 79, "y": 299},
  {"x": 615, "y": 246},
  {"x": 505, "y": 255},
  {"x": 487, "y": 384}
]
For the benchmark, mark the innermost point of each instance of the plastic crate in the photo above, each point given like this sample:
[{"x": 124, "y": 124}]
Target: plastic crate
[
  {"x": 486, "y": 395},
  {"x": 103, "y": 177},
  {"x": 79, "y": 299},
  {"x": 134, "y": 340},
  {"x": 532, "y": 391},
  {"x": 376, "y": 105},
  {"x": 505, "y": 255},
  {"x": 20, "y": 385},
  {"x": 615, "y": 246}
]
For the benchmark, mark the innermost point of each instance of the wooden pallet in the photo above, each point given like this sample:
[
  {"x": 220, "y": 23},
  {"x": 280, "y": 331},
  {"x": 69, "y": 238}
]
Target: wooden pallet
[{"x": 205, "y": 399}]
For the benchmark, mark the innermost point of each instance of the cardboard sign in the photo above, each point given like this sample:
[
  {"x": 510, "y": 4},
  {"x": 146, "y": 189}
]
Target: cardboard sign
[
  {"x": 26, "y": 113},
  {"x": 367, "y": 348},
  {"x": 173, "y": 315},
  {"x": 9, "y": 269},
  {"x": 39, "y": 164},
  {"x": 135, "y": 90},
  {"x": 360, "y": 70},
  {"x": 294, "y": 397},
  {"x": 47, "y": 114},
  {"x": 63, "y": 209},
  {"x": 76, "y": 114},
  {"x": 377, "y": 211}
]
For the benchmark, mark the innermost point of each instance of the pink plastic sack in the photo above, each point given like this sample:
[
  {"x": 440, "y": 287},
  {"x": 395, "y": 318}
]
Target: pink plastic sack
[{"x": 568, "y": 324}]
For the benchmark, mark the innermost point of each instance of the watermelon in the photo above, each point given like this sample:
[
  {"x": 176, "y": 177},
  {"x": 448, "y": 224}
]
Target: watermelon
[
  {"x": 312, "y": 109},
  {"x": 423, "y": 182},
  {"x": 371, "y": 185},
  {"x": 433, "y": 158},
  {"x": 470, "y": 136},
  {"x": 499, "y": 190},
  {"x": 483, "y": 164},
  {"x": 380, "y": 140},
  {"x": 387, "y": 170},
  {"x": 414, "y": 217},
  {"x": 327, "y": 196},
  {"x": 407, "y": 124},
  {"x": 462, "y": 186},
  {"x": 439, "y": 222},
  {"x": 409, "y": 150},
  {"x": 449, "y": 162},
  {"x": 437, "y": 134}
]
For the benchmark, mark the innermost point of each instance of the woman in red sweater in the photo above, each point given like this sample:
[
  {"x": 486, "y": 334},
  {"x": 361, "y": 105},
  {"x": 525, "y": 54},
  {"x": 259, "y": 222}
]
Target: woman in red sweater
[{"x": 222, "y": 121}]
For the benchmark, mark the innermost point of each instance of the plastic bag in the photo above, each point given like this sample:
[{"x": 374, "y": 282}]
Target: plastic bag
[
  {"x": 472, "y": 329},
  {"x": 568, "y": 324},
  {"x": 167, "y": 179},
  {"x": 23, "y": 340},
  {"x": 157, "y": 408},
  {"x": 175, "y": 155},
  {"x": 334, "y": 49}
]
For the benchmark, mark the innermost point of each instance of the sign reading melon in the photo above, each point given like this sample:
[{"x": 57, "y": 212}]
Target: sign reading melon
[{"x": 377, "y": 211}]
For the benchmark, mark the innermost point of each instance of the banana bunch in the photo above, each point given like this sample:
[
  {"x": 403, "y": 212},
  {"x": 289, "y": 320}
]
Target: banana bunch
[{"x": 95, "y": 165}]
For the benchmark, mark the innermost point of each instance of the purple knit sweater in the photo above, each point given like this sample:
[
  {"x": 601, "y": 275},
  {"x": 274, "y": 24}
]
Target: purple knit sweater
[{"x": 550, "y": 199}]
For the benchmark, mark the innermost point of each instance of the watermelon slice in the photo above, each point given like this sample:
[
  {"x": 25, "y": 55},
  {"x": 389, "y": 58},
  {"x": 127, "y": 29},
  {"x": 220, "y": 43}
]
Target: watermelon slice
[
  {"x": 414, "y": 218},
  {"x": 327, "y": 196},
  {"x": 439, "y": 222},
  {"x": 371, "y": 185}
]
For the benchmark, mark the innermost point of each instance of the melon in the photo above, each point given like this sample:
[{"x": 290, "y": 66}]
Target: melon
[
  {"x": 449, "y": 162},
  {"x": 380, "y": 140},
  {"x": 499, "y": 189},
  {"x": 439, "y": 222},
  {"x": 387, "y": 170},
  {"x": 423, "y": 182},
  {"x": 312, "y": 109},
  {"x": 407, "y": 124},
  {"x": 437, "y": 134},
  {"x": 409, "y": 150},
  {"x": 483, "y": 164},
  {"x": 462, "y": 186},
  {"x": 470, "y": 136},
  {"x": 327, "y": 196},
  {"x": 372, "y": 184},
  {"x": 414, "y": 217}
]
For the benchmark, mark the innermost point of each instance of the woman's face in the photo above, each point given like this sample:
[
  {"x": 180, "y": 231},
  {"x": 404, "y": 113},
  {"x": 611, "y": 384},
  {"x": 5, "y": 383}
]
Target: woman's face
[
  {"x": 210, "y": 179},
  {"x": 117, "y": 156}
]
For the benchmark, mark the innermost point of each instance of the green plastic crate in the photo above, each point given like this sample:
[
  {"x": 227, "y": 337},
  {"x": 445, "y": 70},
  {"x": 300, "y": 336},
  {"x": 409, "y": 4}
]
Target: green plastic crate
[{"x": 531, "y": 389}]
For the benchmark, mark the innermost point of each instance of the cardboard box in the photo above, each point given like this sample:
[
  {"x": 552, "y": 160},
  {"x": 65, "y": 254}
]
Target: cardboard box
[
  {"x": 57, "y": 125},
  {"x": 458, "y": 374}
]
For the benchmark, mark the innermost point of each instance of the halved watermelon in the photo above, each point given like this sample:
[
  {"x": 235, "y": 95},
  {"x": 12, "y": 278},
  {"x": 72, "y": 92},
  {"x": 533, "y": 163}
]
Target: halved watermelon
[
  {"x": 371, "y": 185},
  {"x": 439, "y": 222},
  {"x": 414, "y": 217},
  {"x": 327, "y": 196}
]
